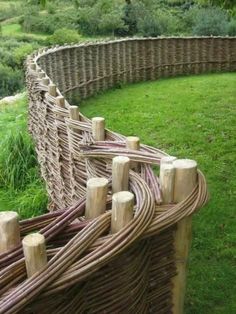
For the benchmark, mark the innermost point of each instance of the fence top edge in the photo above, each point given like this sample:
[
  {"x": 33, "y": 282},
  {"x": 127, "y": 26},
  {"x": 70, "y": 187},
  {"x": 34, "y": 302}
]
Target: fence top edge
[{"x": 48, "y": 50}]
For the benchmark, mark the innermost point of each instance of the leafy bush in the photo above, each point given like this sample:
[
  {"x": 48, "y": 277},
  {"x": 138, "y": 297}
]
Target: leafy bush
[
  {"x": 9, "y": 43},
  {"x": 13, "y": 52},
  {"x": 10, "y": 10},
  {"x": 6, "y": 57},
  {"x": 232, "y": 28},
  {"x": 11, "y": 81},
  {"x": 33, "y": 21},
  {"x": 130, "y": 19},
  {"x": 210, "y": 21},
  {"x": 100, "y": 17},
  {"x": 51, "y": 8},
  {"x": 149, "y": 25},
  {"x": 111, "y": 21},
  {"x": 6, "y": 47},
  {"x": 22, "y": 52},
  {"x": 88, "y": 21},
  {"x": 62, "y": 36},
  {"x": 158, "y": 23}
]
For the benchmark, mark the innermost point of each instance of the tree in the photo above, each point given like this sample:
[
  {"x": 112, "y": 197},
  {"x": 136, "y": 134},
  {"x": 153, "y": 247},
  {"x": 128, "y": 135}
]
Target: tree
[
  {"x": 42, "y": 3},
  {"x": 225, "y": 4}
]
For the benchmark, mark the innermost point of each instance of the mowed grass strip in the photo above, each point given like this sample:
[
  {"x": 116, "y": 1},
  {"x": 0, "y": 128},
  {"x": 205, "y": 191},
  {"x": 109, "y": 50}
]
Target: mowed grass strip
[{"x": 191, "y": 117}]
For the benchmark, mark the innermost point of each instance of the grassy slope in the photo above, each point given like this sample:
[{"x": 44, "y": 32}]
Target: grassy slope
[
  {"x": 15, "y": 30},
  {"x": 191, "y": 117},
  {"x": 17, "y": 162}
]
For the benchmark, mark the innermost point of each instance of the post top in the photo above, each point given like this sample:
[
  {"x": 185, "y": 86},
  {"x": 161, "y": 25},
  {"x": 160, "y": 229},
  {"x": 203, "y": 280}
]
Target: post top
[
  {"x": 123, "y": 197},
  {"x": 8, "y": 216},
  {"x": 98, "y": 119},
  {"x": 167, "y": 160},
  {"x": 185, "y": 163},
  {"x": 121, "y": 159},
  {"x": 97, "y": 182},
  {"x": 33, "y": 239},
  {"x": 167, "y": 166},
  {"x": 45, "y": 81},
  {"x": 132, "y": 139},
  {"x": 60, "y": 97}
]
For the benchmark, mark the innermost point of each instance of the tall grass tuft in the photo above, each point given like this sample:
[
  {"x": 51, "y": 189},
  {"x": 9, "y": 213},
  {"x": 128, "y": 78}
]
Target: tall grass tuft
[
  {"x": 21, "y": 188},
  {"x": 17, "y": 161}
]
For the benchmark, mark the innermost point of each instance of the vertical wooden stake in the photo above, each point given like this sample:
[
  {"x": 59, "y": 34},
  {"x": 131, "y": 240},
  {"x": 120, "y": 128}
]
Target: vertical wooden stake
[
  {"x": 35, "y": 253},
  {"x": 133, "y": 143},
  {"x": 52, "y": 90},
  {"x": 185, "y": 181},
  {"x": 98, "y": 128},
  {"x": 122, "y": 210},
  {"x": 41, "y": 74},
  {"x": 33, "y": 66},
  {"x": 167, "y": 176},
  {"x": 74, "y": 113},
  {"x": 9, "y": 231},
  {"x": 45, "y": 81},
  {"x": 120, "y": 173},
  {"x": 96, "y": 197},
  {"x": 60, "y": 100}
]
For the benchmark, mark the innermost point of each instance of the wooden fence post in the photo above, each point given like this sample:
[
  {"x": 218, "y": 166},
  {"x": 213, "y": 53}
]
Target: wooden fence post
[
  {"x": 98, "y": 128},
  {"x": 45, "y": 81},
  {"x": 167, "y": 177},
  {"x": 33, "y": 66},
  {"x": 9, "y": 231},
  {"x": 41, "y": 74},
  {"x": 120, "y": 173},
  {"x": 185, "y": 182},
  {"x": 52, "y": 90},
  {"x": 74, "y": 113},
  {"x": 122, "y": 210},
  {"x": 96, "y": 197},
  {"x": 60, "y": 101},
  {"x": 35, "y": 253},
  {"x": 133, "y": 143}
]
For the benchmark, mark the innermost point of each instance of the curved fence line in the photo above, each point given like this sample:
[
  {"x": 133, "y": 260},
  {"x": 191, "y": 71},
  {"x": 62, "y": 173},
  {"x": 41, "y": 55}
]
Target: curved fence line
[
  {"x": 85, "y": 69},
  {"x": 91, "y": 67},
  {"x": 140, "y": 268}
]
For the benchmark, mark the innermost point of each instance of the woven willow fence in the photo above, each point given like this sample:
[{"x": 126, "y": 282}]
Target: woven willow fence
[{"x": 117, "y": 237}]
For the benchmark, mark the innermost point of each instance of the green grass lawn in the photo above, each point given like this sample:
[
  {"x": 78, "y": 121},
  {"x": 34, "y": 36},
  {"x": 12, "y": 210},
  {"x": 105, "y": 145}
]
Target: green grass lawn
[
  {"x": 192, "y": 117},
  {"x": 15, "y": 30}
]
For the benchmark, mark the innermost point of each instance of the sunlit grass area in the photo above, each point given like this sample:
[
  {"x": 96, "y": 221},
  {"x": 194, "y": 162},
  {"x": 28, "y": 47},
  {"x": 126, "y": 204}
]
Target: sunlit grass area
[
  {"x": 192, "y": 117},
  {"x": 15, "y": 30}
]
